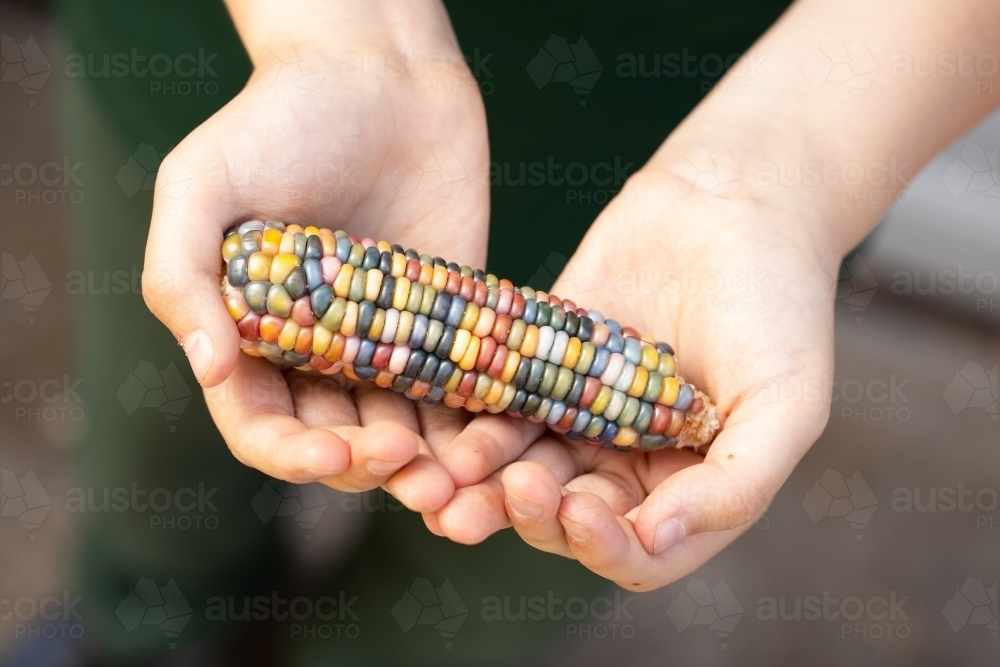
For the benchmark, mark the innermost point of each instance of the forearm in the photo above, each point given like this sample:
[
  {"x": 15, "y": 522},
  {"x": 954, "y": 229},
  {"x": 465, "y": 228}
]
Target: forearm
[
  {"x": 836, "y": 152},
  {"x": 418, "y": 28}
]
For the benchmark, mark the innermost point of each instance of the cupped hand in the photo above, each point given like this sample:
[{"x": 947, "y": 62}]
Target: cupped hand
[
  {"x": 352, "y": 134},
  {"x": 737, "y": 286}
]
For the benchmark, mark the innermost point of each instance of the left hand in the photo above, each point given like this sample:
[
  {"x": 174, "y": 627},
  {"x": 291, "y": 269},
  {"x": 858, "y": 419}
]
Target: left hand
[{"x": 761, "y": 345}]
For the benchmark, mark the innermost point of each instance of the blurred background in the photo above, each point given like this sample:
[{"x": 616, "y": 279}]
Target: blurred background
[{"x": 883, "y": 548}]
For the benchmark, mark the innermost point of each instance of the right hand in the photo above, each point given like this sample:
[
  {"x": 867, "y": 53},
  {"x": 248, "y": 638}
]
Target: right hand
[{"x": 345, "y": 123}]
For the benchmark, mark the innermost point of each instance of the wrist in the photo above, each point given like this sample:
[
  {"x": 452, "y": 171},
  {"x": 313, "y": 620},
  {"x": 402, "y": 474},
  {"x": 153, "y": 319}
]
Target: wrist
[
  {"x": 392, "y": 35},
  {"x": 779, "y": 186}
]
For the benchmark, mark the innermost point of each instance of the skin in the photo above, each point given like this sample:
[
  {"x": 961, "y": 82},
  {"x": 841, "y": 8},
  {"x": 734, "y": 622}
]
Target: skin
[
  {"x": 328, "y": 131},
  {"x": 762, "y": 346}
]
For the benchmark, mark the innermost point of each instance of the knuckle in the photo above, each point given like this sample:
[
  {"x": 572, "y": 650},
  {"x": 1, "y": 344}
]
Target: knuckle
[{"x": 734, "y": 509}]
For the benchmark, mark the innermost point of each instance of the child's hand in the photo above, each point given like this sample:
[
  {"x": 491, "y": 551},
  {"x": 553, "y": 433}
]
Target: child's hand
[{"x": 347, "y": 122}]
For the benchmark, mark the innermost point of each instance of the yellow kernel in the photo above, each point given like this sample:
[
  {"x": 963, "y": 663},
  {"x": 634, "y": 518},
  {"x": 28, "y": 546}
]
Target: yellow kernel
[
  {"x": 462, "y": 340},
  {"x": 601, "y": 401},
  {"x": 398, "y": 266},
  {"x": 572, "y": 354},
  {"x": 350, "y": 324},
  {"x": 510, "y": 366},
  {"x": 288, "y": 335},
  {"x": 373, "y": 283},
  {"x": 668, "y": 395},
  {"x": 342, "y": 283},
  {"x": 626, "y": 436},
  {"x": 639, "y": 381},
  {"x": 377, "y": 325},
  {"x": 403, "y": 328},
  {"x": 468, "y": 360},
  {"x": 281, "y": 266},
  {"x": 401, "y": 292},
  {"x": 470, "y": 316},
  {"x": 321, "y": 339},
  {"x": 439, "y": 278}
]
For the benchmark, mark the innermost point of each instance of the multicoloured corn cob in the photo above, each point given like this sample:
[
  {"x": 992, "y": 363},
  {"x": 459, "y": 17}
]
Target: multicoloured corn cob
[{"x": 314, "y": 299}]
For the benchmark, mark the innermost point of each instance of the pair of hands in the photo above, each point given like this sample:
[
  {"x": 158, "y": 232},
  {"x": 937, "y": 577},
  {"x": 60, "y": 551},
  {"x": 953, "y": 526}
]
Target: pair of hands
[{"x": 400, "y": 153}]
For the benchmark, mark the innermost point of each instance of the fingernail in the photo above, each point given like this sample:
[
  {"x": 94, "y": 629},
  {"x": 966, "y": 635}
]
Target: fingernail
[
  {"x": 379, "y": 467},
  {"x": 200, "y": 352},
  {"x": 522, "y": 508},
  {"x": 667, "y": 533},
  {"x": 577, "y": 532}
]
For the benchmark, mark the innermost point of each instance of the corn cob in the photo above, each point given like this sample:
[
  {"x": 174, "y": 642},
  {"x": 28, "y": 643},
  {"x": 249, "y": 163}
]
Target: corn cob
[{"x": 313, "y": 299}]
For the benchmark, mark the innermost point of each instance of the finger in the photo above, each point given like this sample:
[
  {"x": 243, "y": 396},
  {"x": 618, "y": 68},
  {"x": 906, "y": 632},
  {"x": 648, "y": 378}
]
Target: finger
[
  {"x": 488, "y": 443},
  {"x": 620, "y": 494},
  {"x": 743, "y": 470},
  {"x": 180, "y": 278},
  {"x": 440, "y": 424},
  {"x": 432, "y": 523},
  {"x": 609, "y": 546},
  {"x": 375, "y": 404},
  {"x": 479, "y": 510},
  {"x": 532, "y": 494},
  {"x": 255, "y": 414},
  {"x": 379, "y": 446},
  {"x": 422, "y": 484}
]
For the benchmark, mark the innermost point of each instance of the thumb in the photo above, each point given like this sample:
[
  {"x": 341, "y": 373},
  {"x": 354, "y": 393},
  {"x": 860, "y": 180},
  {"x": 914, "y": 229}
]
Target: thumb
[
  {"x": 180, "y": 278},
  {"x": 743, "y": 470}
]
